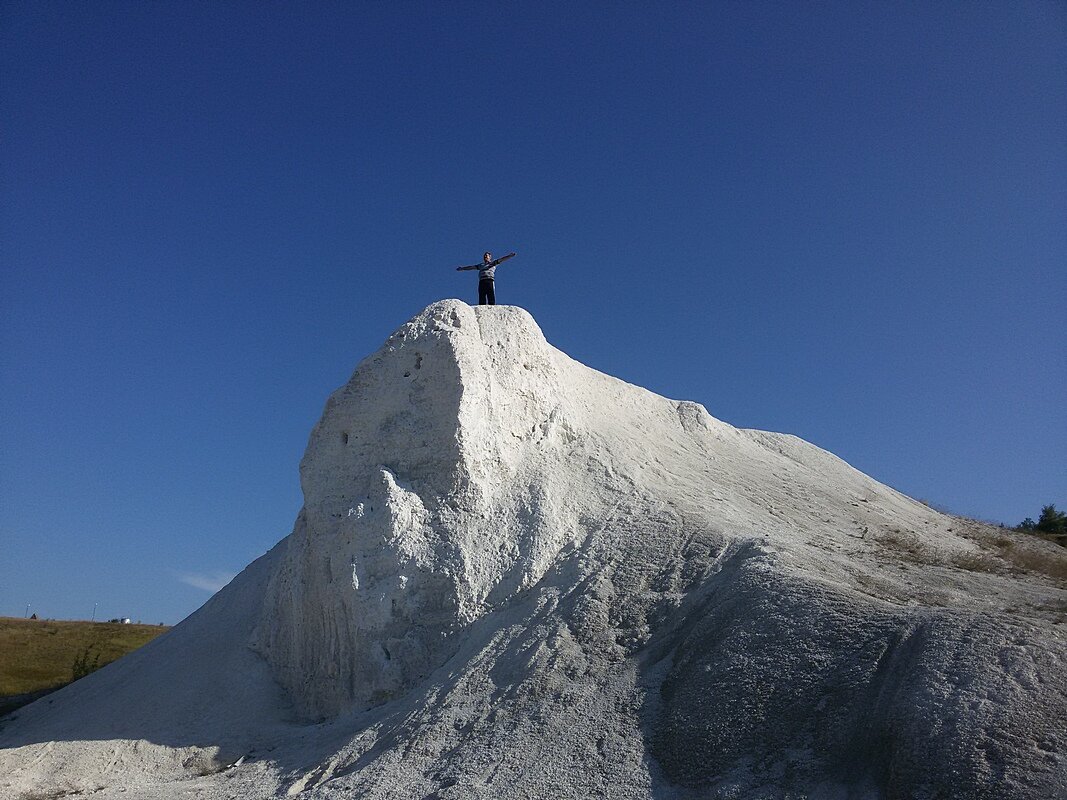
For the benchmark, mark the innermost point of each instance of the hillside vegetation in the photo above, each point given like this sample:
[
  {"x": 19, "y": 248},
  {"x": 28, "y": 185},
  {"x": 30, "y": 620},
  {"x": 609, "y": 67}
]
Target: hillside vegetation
[
  {"x": 1051, "y": 525},
  {"x": 42, "y": 654}
]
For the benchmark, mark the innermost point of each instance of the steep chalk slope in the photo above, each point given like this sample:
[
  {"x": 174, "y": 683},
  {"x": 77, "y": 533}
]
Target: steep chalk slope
[{"x": 514, "y": 576}]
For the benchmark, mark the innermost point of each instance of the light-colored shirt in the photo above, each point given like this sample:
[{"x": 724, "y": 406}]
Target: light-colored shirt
[{"x": 487, "y": 271}]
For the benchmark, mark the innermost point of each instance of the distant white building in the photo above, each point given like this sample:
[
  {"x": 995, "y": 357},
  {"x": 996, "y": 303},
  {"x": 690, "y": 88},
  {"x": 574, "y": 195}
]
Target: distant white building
[{"x": 125, "y": 620}]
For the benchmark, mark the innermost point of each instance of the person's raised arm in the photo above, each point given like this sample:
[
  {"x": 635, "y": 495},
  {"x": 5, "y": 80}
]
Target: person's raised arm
[
  {"x": 503, "y": 258},
  {"x": 472, "y": 266}
]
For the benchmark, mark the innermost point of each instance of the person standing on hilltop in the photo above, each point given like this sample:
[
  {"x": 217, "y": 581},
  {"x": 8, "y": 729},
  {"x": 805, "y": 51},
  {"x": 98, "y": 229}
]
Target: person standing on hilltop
[{"x": 486, "y": 270}]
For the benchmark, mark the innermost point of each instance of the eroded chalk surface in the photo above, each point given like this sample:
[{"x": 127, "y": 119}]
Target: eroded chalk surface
[{"x": 514, "y": 576}]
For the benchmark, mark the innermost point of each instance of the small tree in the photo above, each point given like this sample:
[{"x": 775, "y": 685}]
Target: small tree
[{"x": 1052, "y": 521}]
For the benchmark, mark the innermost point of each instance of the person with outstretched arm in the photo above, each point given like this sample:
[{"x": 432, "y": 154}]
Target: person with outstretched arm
[{"x": 486, "y": 270}]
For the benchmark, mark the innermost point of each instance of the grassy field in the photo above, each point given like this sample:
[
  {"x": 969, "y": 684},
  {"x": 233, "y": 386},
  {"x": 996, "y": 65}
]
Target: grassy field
[{"x": 40, "y": 654}]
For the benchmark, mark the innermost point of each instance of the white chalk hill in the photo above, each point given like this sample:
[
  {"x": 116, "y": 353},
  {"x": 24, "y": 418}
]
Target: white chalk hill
[{"x": 514, "y": 576}]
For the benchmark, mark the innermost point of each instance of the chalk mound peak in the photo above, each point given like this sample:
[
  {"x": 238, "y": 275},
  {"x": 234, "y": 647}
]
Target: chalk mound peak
[{"x": 448, "y": 473}]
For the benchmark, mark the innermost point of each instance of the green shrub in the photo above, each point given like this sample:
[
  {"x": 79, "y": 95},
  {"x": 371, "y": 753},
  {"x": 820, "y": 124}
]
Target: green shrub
[
  {"x": 1051, "y": 523},
  {"x": 84, "y": 663}
]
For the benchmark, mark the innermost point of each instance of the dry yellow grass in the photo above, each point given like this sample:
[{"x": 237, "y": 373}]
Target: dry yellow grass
[
  {"x": 1020, "y": 551},
  {"x": 40, "y": 654},
  {"x": 1002, "y": 551}
]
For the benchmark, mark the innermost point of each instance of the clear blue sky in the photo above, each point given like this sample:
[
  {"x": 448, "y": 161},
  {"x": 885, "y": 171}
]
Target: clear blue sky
[{"x": 846, "y": 221}]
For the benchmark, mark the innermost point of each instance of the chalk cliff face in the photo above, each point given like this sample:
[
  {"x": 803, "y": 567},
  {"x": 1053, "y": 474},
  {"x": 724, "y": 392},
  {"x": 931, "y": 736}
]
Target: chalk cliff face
[
  {"x": 436, "y": 484},
  {"x": 514, "y": 576}
]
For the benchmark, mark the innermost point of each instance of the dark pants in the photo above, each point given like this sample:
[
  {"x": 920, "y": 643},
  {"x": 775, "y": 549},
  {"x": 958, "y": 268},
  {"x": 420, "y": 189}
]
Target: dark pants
[{"x": 486, "y": 295}]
